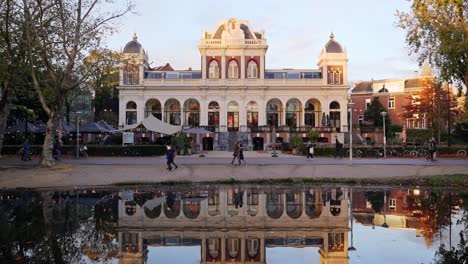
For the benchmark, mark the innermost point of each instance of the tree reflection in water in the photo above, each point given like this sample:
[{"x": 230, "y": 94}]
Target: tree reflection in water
[{"x": 70, "y": 226}]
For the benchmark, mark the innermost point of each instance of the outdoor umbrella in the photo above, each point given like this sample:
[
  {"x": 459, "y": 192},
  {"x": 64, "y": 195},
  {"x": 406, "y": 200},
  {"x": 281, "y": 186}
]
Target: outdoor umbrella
[
  {"x": 197, "y": 131},
  {"x": 21, "y": 127},
  {"x": 324, "y": 119},
  {"x": 41, "y": 127},
  {"x": 109, "y": 128},
  {"x": 91, "y": 128}
]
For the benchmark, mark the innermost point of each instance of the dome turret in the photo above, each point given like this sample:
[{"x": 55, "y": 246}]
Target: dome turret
[
  {"x": 133, "y": 46},
  {"x": 333, "y": 46}
]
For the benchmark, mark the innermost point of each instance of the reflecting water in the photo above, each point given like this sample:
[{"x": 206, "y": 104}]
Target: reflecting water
[{"x": 235, "y": 223}]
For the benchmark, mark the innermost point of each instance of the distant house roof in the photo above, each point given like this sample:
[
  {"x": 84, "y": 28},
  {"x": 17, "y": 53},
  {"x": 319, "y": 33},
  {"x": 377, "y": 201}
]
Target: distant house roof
[
  {"x": 363, "y": 87},
  {"x": 413, "y": 83},
  {"x": 166, "y": 67}
]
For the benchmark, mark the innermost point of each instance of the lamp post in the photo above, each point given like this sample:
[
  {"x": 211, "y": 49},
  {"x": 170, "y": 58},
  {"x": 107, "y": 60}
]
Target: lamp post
[
  {"x": 77, "y": 135},
  {"x": 351, "y": 248},
  {"x": 350, "y": 109},
  {"x": 384, "y": 136}
]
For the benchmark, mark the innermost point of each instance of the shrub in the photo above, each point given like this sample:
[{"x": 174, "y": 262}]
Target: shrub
[{"x": 96, "y": 150}]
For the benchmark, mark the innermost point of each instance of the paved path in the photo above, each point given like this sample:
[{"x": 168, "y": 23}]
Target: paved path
[{"x": 103, "y": 171}]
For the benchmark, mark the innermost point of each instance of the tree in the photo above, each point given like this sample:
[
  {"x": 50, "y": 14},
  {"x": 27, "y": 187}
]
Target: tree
[
  {"x": 104, "y": 67},
  {"x": 433, "y": 103},
  {"x": 437, "y": 31},
  {"x": 12, "y": 60},
  {"x": 373, "y": 113},
  {"x": 59, "y": 33}
]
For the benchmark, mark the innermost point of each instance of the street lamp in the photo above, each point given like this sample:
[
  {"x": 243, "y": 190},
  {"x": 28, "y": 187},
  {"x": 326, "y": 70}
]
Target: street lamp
[
  {"x": 350, "y": 109},
  {"x": 351, "y": 248},
  {"x": 78, "y": 135},
  {"x": 384, "y": 137}
]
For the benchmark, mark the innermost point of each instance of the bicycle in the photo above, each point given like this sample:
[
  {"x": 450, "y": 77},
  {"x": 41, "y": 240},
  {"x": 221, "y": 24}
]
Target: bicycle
[
  {"x": 356, "y": 153},
  {"x": 462, "y": 153}
]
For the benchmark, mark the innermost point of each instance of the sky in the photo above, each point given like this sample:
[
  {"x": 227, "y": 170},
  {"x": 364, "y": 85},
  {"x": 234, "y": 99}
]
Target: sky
[{"x": 296, "y": 32}]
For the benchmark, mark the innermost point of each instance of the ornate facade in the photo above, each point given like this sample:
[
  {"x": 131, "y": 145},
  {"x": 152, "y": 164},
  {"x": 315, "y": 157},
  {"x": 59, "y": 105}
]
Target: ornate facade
[{"x": 234, "y": 92}]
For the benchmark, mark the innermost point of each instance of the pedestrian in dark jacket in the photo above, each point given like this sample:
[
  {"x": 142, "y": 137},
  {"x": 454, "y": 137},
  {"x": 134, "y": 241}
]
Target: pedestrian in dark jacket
[
  {"x": 26, "y": 150},
  {"x": 338, "y": 147},
  {"x": 432, "y": 149},
  {"x": 170, "y": 156},
  {"x": 241, "y": 155},
  {"x": 235, "y": 154}
]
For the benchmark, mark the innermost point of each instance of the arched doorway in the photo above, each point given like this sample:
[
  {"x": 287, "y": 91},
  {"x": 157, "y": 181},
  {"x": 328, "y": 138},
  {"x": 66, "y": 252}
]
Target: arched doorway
[
  {"x": 335, "y": 115},
  {"x": 192, "y": 112},
  {"x": 312, "y": 113},
  {"x": 233, "y": 116},
  {"x": 252, "y": 114},
  {"x": 274, "y": 205},
  {"x": 172, "y": 112},
  {"x": 213, "y": 114},
  {"x": 293, "y": 112},
  {"x": 274, "y": 111},
  {"x": 294, "y": 204},
  {"x": 131, "y": 113},
  {"x": 153, "y": 107}
]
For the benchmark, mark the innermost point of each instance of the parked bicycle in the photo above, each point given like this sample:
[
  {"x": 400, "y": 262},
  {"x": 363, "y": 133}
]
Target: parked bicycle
[
  {"x": 356, "y": 153},
  {"x": 462, "y": 153}
]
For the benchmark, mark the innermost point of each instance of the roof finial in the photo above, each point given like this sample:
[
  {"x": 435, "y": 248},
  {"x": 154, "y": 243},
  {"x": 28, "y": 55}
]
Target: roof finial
[
  {"x": 134, "y": 37},
  {"x": 332, "y": 36}
]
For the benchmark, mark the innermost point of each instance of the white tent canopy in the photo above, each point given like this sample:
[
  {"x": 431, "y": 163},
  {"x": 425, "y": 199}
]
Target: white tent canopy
[{"x": 151, "y": 123}]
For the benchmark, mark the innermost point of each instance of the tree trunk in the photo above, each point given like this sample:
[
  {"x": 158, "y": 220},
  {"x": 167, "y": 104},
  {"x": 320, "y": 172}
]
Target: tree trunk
[
  {"x": 46, "y": 157},
  {"x": 4, "y": 113}
]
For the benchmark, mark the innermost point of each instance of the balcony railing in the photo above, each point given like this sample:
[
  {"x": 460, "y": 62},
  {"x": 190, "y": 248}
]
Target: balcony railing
[
  {"x": 288, "y": 129},
  {"x": 234, "y": 42}
]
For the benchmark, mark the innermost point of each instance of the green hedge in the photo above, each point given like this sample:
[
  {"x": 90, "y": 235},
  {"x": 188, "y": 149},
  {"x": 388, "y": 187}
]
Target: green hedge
[{"x": 95, "y": 150}]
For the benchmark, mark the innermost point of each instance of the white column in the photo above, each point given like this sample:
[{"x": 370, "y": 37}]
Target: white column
[
  {"x": 261, "y": 113},
  {"x": 223, "y": 113},
  {"x": 262, "y": 66},
  {"x": 203, "y": 67},
  {"x": 203, "y": 113},
  {"x": 140, "y": 109},
  {"x": 223, "y": 67},
  {"x": 122, "y": 109},
  {"x": 242, "y": 114},
  {"x": 344, "y": 116},
  {"x": 243, "y": 66}
]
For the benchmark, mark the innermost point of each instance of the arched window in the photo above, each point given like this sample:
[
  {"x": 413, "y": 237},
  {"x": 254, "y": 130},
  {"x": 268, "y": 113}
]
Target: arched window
[
  {"x": 213, "y": 114},
  {"x": 131, "y": 74},
  {"x": 213, "y": 70},
  {"x": 233, "y": 245},
  {"x": 312, "y": 113},
  {"x": 274, "y": 112},
  {"x": 153, "y": 107},
  {"x": 337, "y": 77},
  {"x": 294, "y": 204},
  {"x": 252, "y": 70},
  {"x": 293, "y": 112},
  {"x": 131, "y": 113},
  {"x": 334, "y": 114},
  {"x": 233, "y": 70},
  {"x": 192, "y": 112},
  {"x": 252, "y": 114},
  {"x": 274, "y": 205},
  {"x": 172, "y": 112}
]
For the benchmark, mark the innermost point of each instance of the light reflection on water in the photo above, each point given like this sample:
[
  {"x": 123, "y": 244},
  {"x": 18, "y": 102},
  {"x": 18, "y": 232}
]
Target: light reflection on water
[{"x": 234, "y": 223}]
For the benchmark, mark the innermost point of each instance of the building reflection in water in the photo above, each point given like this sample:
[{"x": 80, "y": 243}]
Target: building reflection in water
[{"x": 232, "y": 224}]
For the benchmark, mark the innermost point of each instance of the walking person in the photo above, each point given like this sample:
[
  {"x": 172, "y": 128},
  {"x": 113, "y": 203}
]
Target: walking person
[
  {"x": 310, "y": 150},
  {"x": 57, "y": 150},
  {"x": 338, "y": 147},
  {"x": 170, "y": 156},
  {"x": 26, "y": 150},
  {"x": 432, "y": 149},
  {"x": 235, "y": 154},
  {"x": 241, "y": 155}
]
